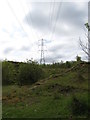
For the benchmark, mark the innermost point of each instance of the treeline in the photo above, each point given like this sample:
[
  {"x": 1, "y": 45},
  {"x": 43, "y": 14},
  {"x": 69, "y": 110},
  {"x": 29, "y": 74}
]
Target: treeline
[
  {"x": 61, "y": 64},
  {"x": 64, "y": 65},
  {"x": 22, "y": 73}
]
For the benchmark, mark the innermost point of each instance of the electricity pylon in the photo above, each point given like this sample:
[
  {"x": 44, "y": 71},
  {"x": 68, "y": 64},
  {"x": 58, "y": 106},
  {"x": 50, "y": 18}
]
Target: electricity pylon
[{"x": 42, "y": 59}]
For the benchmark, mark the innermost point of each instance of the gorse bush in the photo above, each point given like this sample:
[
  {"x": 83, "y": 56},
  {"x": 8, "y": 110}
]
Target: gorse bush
[
  {"x": 29, "y": 73},
  {"x": 21, "y": 73},
  {"x": 8, "y": 73}
]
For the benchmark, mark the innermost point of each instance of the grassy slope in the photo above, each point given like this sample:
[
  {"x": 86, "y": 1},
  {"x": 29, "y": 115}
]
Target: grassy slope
[{"x": 47, "y": 98}]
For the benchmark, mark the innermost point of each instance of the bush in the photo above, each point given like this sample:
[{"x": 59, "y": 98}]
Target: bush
[
  {"x": 23, "y": 73},
  {"x": 29, "y": 73},
  {"x": 79, "y": 107},
  {"x": 68, "y": 64},
  {"x": 8, "y": 73}
]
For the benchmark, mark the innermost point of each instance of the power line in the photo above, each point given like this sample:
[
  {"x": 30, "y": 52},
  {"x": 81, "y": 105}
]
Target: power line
[
  {"x": 53, "y": 30},
  {"x": 26, "y": 15},
  {"x": 52, "y": 12},
  {"x": 49, "y": 17},
  {"x": 16, "y": 17},
  {"x": 31, "y": 18}
]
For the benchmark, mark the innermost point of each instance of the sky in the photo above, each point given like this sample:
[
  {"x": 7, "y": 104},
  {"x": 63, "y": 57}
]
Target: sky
[{"x": 60, "y": 23}]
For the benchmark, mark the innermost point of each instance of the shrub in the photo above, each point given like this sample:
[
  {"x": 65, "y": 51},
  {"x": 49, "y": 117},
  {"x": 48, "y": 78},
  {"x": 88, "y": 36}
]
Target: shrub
[
  {"x": 29, "y": 73},
  {"x": 79, "y": 107},
  {"x": 68, "y": 64},
  {"x": 8, "y": 73}
]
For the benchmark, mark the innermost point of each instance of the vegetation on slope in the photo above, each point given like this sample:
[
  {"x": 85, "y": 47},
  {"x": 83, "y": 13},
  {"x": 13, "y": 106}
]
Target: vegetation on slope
[{"x": 61, "y": 92}]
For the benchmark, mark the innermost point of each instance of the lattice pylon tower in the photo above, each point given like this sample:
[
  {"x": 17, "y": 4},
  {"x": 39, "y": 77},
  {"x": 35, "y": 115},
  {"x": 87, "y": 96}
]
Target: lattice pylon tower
[{"x": 42, "y": 58}]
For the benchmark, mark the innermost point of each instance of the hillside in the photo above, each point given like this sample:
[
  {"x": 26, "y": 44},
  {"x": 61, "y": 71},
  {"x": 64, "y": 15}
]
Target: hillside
[{"x": 63, "y": 93}]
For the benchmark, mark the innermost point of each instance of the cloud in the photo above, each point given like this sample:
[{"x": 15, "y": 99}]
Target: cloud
[
  {"x": 57, "y": 47},
  {"x": 8, "y": 50},
  {"x": 36, "y": 18},
  {"x": 63, "y": 50},
  {"x": 70, "y": 17},
  {"x": 25, "y": 48},
  {"x": 19, "y": 44},
  {"x": 54, "y": 58}
]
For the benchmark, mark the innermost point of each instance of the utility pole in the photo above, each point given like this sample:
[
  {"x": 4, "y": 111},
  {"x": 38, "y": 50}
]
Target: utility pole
[{"x": 42, "y": 59}]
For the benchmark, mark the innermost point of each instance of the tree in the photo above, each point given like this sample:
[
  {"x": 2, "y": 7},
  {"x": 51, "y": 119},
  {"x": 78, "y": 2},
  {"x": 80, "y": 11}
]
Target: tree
[
  {"x": 78, "y": 58},
  {"x": 86, "y": 46},
  {"x": 87, "y": 26}
]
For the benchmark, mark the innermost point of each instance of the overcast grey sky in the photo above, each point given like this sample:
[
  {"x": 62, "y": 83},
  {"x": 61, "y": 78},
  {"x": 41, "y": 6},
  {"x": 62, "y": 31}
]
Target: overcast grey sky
[{"x": 23, "y": 23}]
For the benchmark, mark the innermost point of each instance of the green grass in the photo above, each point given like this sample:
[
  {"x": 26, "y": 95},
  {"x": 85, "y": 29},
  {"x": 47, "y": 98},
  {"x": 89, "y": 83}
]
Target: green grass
[
  {"x": 44, "y": 107},
  {"x": 41, "y": 107},
  {"x": 52, "y": 99}
]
